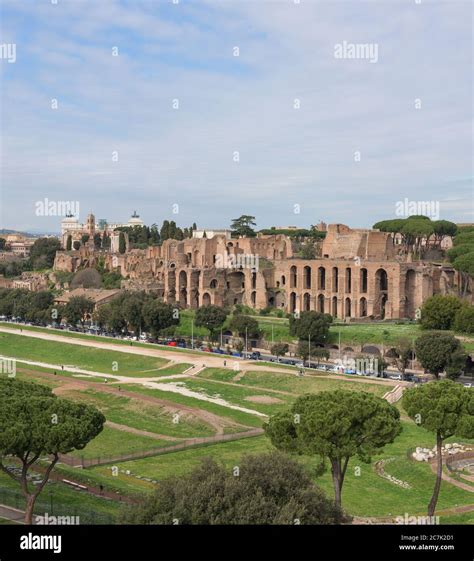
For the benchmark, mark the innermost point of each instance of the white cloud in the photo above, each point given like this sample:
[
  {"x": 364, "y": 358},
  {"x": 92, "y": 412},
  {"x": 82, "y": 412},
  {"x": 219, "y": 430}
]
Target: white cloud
[{"x": 231, "y": 103}]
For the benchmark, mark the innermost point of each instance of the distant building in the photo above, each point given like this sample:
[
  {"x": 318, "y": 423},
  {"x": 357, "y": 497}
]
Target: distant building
[
  {"x": 22, "y": 249},
  {"x": 70, "y": 226},
  {"x": 97, "y": 295},
  {"x": 198, "y": 234}
]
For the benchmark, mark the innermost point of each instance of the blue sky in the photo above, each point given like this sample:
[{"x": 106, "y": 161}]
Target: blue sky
[{"x": 289, "y": 158}]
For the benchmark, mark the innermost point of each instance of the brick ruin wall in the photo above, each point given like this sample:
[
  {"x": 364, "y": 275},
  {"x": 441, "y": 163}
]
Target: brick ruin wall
[{"x": 359, "y": 276}]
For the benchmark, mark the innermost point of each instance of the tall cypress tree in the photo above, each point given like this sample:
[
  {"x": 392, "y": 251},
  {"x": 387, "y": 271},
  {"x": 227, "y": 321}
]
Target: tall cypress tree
[
  {"x": 122, "y": 244},
  {"x": 165, "y": 230}
]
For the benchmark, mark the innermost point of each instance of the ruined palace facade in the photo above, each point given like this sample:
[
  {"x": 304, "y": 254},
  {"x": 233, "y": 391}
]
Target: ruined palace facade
[{"x": 358, "y": 274}]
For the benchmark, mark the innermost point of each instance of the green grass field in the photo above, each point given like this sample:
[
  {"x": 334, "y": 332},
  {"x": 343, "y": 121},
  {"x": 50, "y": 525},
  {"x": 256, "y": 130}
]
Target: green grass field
[
  {"x": 178, "y": 463},
  {"x": 364, "y": 494},
  {"x": 112, "y": 442},
  {"x": 87, "y": 337},
  {"x": 368, "y": 494},
  {"x": 294, "y": 384},
  {"x": 98, "y": 360},
  {"x": 245, "y": 419},
  {"x": 140, "y": 415},
  {"x": 64, "y": 500},
  {"x": 241, "y": 396}
]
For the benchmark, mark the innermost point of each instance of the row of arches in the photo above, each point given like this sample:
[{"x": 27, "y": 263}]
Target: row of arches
[
  {"x": 381, "y": 279},
  {"x": 321, "y": 305}
]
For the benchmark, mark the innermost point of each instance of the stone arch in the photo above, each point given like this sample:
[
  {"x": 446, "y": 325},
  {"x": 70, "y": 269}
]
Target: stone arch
[
  {"x": 363, "y": 280},
  {"x": 335, "y": 279},
  {"x": 321, "y": 303},
  {"x": 381, "y": 293},
  {"x": 410, "y": 293},
  {"x": 213, "y": 283},
  {"x": 371, "y": 349},
  {"x": 363, "y": 307},
  {"x": 348, "y": 280},
  {"x": 280, "y": 299},
  {"x": 253, "y": 298},
  {"x": 334, "y": 306},
  {"x": 307, "y": 277},
  {"x": 381, "y": 280},
  {"x": 183, "y": 288},
  {"x": 321, "y": 278},
  {"x": 293, "y": 277},
  {"x": 254, "y": 280},
  {"x": 236, "y": 280},
  {"x": 206, "y": 299},
  {"x": 283, "y": 280},
  {"x": 306, "y": 301},
  {"x": 194, "y": 288},
  {"x": 292, "y": 302},
  {"x": 347, "y": 308}
]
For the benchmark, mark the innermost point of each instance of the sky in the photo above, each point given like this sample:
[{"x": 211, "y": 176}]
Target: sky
[{"x": 201, "y": 111}]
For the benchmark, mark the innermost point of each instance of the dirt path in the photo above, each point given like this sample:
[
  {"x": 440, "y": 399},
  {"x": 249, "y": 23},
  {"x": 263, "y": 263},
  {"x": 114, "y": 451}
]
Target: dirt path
[
  {"x": 391, "y": 519},
  {"x": 219, "y": 423},
  {"x": 183, "y": 390},
  {"x": 451, "y": 480},
  {"x": 154, "y": 435}
]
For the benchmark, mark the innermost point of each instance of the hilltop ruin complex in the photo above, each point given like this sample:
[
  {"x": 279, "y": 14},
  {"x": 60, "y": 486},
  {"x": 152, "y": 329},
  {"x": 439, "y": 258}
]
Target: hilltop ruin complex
[{"x": 359, "y": 273}]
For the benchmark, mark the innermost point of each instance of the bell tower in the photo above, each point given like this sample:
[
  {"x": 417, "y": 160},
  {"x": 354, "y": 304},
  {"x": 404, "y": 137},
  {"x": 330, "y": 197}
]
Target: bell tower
[{"x": 90, "y": 229}]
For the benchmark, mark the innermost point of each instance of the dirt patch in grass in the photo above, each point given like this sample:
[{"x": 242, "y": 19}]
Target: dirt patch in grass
[{"x": 263, "y": 399}]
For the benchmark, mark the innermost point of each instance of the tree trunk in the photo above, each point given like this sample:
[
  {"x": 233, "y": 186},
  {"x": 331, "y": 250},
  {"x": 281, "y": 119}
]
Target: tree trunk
[
  {"x": 439, "y": 473},
  {"x": 337, "y": 479},
  {"x": 30, "y": 503},
  {"x": 31, "y": 497}
]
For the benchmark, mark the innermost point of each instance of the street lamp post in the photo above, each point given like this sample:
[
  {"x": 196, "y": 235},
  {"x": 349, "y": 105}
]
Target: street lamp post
[
  {"x": 192, "y": 334},
  {"x": 309, "y": 350}
]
